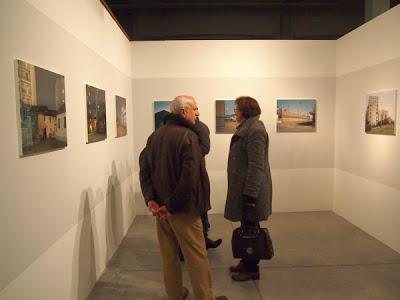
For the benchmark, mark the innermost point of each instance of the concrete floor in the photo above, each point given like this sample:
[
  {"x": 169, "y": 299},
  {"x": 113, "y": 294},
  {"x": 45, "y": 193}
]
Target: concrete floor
[{"x": 318, "y": 255}]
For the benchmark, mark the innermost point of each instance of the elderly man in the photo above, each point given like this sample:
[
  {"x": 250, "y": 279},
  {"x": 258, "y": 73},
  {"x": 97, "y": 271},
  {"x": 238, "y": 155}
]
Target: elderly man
[{"x": 174, "y": 183}]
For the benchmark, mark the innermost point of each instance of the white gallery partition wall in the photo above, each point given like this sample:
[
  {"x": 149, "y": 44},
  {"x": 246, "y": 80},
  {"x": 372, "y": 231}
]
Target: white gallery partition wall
[
  {"x": 302, "y": 163},
  {"x": 64, "y": 212},
  {"x": 367, "y": 166}
]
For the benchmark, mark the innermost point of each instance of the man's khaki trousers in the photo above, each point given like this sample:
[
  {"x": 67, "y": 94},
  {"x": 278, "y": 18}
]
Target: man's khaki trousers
[{"x": 187, "y": 230}]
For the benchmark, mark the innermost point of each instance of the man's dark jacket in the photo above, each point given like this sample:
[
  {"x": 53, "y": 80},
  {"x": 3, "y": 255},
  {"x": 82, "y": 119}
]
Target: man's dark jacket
[{"x": 172, "y": 168}]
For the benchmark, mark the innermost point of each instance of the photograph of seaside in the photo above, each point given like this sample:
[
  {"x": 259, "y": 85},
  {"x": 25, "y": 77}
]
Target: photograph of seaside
[{"x": 225, "y": 118}]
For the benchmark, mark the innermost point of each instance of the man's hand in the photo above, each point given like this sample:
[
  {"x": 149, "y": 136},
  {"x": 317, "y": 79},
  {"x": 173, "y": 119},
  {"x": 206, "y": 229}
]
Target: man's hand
[
  {"x": 153, "y": 207},
  {"x": 163, "y": 213}
]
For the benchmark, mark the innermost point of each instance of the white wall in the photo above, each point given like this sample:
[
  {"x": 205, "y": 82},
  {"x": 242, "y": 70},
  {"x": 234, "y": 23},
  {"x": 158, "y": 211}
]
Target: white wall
[
  {"x": 367, "y": 176},
  {"x": 302, "y": 163},
  {"x": 63, "y": 213}
]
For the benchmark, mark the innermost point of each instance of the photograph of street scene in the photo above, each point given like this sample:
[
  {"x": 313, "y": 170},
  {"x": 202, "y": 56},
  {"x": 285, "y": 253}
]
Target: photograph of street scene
[
  {"x": 96, "y": 114},
  {"x": 120, "y": 107},
  {"x": 41, "y": 104},
  {"x": 296, "y": 115},
  {"x": 225, "y": 116},
  {"x": 161, "y": 109},
  {"x": 380, "y": 114}
]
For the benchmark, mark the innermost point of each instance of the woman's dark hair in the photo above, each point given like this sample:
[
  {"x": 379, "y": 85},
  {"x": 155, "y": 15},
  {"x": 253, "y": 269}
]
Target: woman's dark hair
[{"x": 248, "y": 106}]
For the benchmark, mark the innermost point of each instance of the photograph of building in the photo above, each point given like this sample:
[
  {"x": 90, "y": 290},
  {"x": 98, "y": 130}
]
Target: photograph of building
[
  {"x": 380, "y": 114},
  {"x": 42, "y": 113},
  {"x": 296, "y": 115}
]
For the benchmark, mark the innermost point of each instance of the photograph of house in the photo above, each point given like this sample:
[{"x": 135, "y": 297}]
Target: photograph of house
[{"x": 42, "y": 112}]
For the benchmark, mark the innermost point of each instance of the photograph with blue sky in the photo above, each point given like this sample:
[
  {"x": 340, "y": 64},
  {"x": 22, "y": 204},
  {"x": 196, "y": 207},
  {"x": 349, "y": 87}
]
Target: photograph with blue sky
[
  {"x": 161, "y": 105},
  {"x": 161, "y": 110},
  {"x": 296, "y": 115},
  {"x": 229, "y": 107},
  {"x": 298, "y": 106}
]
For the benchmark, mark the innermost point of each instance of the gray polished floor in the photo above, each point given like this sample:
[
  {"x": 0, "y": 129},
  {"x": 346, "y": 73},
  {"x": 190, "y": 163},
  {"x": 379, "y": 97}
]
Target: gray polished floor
[{"x": 318, "y": 255}]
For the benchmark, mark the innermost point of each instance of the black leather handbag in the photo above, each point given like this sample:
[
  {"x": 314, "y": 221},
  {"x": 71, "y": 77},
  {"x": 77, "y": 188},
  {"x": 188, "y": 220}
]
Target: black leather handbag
[{"x": 252, "y": 243}]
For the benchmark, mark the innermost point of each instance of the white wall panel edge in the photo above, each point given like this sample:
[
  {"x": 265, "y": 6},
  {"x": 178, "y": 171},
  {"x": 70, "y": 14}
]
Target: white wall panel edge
[
  {"x": 373, "y": 43},
  {"x": 371, "y": 206}
]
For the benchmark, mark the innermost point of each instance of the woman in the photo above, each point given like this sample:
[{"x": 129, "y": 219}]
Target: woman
[{"x": 249, "y": 178}]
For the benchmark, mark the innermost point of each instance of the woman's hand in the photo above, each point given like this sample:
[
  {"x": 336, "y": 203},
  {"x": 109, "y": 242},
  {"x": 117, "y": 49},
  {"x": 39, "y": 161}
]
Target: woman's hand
[{"x": 249, "y": 209}]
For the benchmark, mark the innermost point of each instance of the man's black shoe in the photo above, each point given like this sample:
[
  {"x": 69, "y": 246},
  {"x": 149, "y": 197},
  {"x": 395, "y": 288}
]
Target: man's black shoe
[
  {"x": 210, "y": 244},
  {"x": 244, "y": 276},
  {"x": 240, "y": 267}
]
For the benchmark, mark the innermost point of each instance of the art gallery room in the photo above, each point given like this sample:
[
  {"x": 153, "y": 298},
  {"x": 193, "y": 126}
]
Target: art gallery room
[{"x": 82, "y": 86}]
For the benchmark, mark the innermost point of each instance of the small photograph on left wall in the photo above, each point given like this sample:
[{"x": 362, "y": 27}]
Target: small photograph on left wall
[
  {"x": 120, "y": 106},
  {"x": 42, "y": 123},
  {"x": 96, "y": 114}
]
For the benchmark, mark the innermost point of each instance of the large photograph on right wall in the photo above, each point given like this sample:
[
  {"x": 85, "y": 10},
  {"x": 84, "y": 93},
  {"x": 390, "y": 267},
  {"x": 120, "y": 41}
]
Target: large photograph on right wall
[
  {"x": 296, "y": 115},
  {"x": 380, "y": 113}
]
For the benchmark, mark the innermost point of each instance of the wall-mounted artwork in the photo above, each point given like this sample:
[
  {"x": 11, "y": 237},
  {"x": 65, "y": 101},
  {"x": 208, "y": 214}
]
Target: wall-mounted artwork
[
  {"x": 96, "y": 114},
  {"x": 120, "y": 107},
  {"x": 380, "y": 113},
  {"x": 42, "y": 123},
  {"x": 161, "y": 109},
  {"x": 225, "y": 118},
  {"x": 296, "y": 115}
]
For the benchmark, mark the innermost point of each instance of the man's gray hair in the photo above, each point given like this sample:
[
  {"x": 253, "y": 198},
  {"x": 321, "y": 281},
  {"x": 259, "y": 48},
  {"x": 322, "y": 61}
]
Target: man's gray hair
[{"x": 182, "y": 101}]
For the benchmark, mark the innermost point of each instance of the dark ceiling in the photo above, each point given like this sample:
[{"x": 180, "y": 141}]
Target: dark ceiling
[{"x": 145, "y": 20}]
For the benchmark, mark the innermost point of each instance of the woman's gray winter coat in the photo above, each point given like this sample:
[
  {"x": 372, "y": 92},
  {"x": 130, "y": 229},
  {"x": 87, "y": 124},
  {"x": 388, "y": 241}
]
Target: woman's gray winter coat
[{"x": 248, "y": 170}]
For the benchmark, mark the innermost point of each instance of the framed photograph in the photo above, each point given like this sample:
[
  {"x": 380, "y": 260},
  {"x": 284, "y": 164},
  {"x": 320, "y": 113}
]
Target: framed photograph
[
  {"x": 161, "y": 109},
  {"x": 225, "y": 118},
  {"x": 41, "y": 117},
  {"x": 296, "y": 115},
  {"x": 380, "y": 113},
  {"x": 120, "y": 107},
  {"x": 96, "y": 114}
]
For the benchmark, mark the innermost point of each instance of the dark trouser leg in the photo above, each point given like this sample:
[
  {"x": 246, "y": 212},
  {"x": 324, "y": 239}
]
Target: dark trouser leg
[
  {"x": 251, "y": 265},
  {"x": 206, "y": 223}
]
